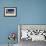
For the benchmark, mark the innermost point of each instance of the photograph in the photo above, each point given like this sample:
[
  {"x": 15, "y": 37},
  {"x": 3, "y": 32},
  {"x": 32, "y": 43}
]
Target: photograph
[{"x": 10, "y": 11}]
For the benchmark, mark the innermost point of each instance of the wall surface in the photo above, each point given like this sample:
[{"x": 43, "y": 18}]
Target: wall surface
[
  {"x": 32, "y": 11},
  {"x": 28, "y": 12},
  {"x": 7, "y": 24}
]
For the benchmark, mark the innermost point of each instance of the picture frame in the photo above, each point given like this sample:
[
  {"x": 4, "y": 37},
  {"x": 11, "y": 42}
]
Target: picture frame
[{"x": 10, "y": 11}]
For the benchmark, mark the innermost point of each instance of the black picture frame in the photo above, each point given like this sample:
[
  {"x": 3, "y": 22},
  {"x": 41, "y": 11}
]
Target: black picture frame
[{"x": 10, "y": 11}]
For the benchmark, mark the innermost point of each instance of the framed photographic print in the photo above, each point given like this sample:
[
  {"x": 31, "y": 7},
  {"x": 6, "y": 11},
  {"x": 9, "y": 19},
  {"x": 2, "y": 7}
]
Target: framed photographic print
[{"x": 10, "y": 11}]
